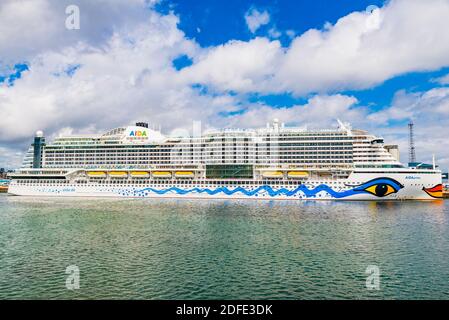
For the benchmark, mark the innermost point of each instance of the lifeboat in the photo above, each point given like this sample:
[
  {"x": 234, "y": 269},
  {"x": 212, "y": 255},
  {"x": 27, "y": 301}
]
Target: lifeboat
[
  {"x": 184, "y": 174},
  {"x": 97, "y": 174},
  {"x": 162, "y": 174},
  {"x": 272, "y": 174},
  {"x": 118, "y": 174},
  {"x": 297, "y": 174},
  {"x": 140, "y": 174}
]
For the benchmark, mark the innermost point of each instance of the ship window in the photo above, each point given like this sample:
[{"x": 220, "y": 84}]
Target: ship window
[{"x": 229, "y": 171}]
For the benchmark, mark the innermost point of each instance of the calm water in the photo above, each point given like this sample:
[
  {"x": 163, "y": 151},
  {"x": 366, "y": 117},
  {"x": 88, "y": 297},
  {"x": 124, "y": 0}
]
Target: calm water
[{"x": 181, "y": 249}]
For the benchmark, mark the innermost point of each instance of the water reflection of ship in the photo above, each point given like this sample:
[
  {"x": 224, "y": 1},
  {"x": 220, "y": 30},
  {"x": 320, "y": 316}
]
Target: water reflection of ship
[
  {"x": 376, "y": 209},
  {"x": 4, "y": 185}
]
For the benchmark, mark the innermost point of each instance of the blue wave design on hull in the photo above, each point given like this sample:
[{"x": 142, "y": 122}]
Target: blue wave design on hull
[{"x": 309, "y": 193}]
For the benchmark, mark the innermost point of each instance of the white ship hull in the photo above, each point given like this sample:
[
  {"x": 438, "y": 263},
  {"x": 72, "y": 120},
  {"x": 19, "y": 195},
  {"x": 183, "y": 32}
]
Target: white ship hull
[{"x": 359, "y": 186}]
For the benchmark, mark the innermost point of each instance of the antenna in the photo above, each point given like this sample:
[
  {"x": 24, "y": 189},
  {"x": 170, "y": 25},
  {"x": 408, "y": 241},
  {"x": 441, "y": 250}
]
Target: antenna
[
  {"x": 344, "y": 126},
  {"x": 341, "y": 125},
  {"x": 411, "y": 153}
]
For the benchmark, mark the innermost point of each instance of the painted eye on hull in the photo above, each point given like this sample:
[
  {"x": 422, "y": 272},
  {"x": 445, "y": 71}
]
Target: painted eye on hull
[
  {"x": 381, "y": 190},
  {"x": 380, "y": 187}
]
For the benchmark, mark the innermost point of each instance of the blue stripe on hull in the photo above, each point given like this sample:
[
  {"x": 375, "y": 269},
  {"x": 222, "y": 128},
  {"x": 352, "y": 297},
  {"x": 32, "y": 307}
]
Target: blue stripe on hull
[{"x": 224, "y": 190}]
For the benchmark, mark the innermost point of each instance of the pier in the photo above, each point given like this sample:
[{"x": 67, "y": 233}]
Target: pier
[
  {"x": 4, "y": 185},
  {"x": 445, "y": 191}
]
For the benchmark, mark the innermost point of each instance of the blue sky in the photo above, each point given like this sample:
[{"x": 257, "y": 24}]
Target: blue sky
[
  {"x": 13, "y": 74},
  {"x": 375, "y": 64},
  {"x": 220, "y": 21}
]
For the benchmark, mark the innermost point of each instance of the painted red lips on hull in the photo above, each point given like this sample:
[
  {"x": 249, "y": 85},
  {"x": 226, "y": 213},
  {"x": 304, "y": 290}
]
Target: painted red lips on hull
[{"x": 435, "y": 192}]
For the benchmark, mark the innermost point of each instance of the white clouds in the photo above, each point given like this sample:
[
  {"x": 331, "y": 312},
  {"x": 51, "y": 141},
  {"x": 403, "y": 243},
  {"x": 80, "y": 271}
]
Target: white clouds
[
  {"x": 318, "y": 112},
  {"x": 435, "y": 101},
  {"x": 444, "y": 80},
  {"x": 26, "y": 29},
  {"x": 29, "y": 27},
  {"x": 274, "y": 33},
  {"x": 236, "y": 65},
  {"x": 10, "y": 156},
  {"x": 357, "y": 53},
  {"x": 427, "y": 107},
  {"x": 255, "y": 19},
  {"x": 128, "y": 78},
  {"x": 290, "y": 33},
  {"x": 430, "y": 112}
]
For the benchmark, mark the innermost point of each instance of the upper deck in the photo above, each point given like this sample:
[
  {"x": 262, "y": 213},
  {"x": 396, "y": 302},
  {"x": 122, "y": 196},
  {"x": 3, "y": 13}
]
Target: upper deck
[{"x": 275, "y": 146}]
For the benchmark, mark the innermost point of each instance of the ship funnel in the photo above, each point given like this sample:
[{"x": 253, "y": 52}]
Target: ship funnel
[{"x": 142, "y": 124}]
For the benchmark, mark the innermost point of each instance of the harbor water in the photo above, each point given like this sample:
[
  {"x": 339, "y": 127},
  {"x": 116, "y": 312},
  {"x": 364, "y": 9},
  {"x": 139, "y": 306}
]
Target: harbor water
[{"x": 191, "y": 249}]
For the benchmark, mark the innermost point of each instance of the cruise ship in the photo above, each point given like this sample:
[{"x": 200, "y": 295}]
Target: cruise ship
[{"x": 274, "y": 162}]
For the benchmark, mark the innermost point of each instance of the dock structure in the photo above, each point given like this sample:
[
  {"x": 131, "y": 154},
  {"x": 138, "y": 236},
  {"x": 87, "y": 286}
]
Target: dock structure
[{"x": 4, "y": 185}]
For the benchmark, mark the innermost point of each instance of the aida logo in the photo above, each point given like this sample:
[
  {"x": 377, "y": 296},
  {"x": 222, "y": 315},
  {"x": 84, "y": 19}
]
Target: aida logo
[{"x": 138, "y": 133}]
